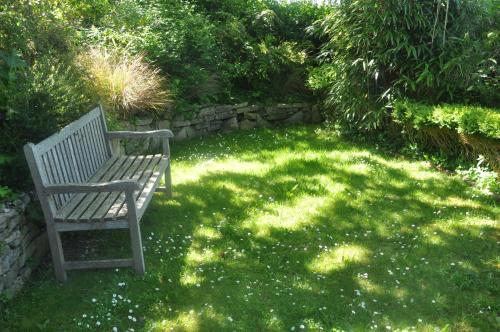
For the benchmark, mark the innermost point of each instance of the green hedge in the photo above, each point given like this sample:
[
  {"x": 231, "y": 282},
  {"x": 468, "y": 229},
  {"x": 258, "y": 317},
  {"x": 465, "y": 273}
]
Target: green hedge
[{"x": 463, "y": 118}]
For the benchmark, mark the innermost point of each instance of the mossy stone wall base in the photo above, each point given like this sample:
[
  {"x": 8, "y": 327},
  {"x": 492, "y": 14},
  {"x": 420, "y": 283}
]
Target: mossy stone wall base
[{"x": 22, "y": 245}]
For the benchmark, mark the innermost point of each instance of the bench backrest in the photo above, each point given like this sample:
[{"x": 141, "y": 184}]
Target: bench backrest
[{"x": 71, "y": 155}]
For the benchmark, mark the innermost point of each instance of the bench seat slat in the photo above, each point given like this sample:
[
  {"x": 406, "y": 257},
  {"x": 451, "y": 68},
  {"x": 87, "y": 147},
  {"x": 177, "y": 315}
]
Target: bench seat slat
[
  {"x": 144, "y": 196},
  {"x": 118, "y": 168},
  {"x": 147, "y": 193},
  {"x": 111, "y": 199},
  {"x": 119, "y": 208},
  {"x": 71, "y": 226},
  {"x": 101, "y": 199},
  {"x": 77, "y": 198},
  {"x": 146, "y": 170}
]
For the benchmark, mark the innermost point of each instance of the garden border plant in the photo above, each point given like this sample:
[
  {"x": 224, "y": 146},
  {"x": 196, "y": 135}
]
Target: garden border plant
[{"x": 455, "y": 129}]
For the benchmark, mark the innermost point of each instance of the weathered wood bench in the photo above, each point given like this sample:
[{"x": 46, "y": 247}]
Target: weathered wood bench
[{"x": 82, "y": 185}]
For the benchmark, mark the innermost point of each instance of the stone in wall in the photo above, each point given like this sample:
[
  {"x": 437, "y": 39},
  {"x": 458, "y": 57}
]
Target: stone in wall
[
  {"x": 316, "y": 116},
  {"x": 230, "y": 124},
  {"x": 247, "y": 124},
  {"x": 262, "y": 123},
  {"x": 277, "y": 113},
  {"x": 224, "y": 112},
  {"x": 249, "y": 109},
  {"x": 239, "y": 106},
  {"x": 22, "y": 244},
  {"x": 215, "y": 125},
  {"x": 131, "y": 146},
  {"x": 164, "y": 124},
  {"x": 207, "y": 114},
  {"x": 185, "y": 133},
  {"x": 296, "y": 118},
  {"x": 181, "y": 123},
  {"x": 250, "y": 116}
]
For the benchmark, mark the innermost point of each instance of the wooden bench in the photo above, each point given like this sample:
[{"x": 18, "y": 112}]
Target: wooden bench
[{"x": 82, "y": 185}]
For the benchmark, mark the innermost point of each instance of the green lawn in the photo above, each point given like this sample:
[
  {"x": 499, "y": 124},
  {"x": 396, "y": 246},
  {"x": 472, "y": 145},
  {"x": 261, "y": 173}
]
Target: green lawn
[{"x": 288, "y": 230}]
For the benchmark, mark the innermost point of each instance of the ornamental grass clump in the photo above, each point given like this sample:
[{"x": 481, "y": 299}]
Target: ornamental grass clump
[{"x": 126, "y": 84}]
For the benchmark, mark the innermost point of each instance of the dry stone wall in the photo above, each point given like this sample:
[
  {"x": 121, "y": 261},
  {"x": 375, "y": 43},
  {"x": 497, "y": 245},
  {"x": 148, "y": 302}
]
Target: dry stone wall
[
  {"x": 22, "y": 244},
  {"x": 227, "y": 118}
]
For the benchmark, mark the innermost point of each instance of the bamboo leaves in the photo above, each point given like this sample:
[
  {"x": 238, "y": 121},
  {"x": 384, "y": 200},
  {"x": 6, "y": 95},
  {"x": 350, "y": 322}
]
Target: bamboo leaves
[{"x": 375, "y": 47}]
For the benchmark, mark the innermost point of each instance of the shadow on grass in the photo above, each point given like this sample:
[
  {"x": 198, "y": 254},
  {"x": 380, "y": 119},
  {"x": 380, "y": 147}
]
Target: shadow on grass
[{"x": 320, "y": 234}]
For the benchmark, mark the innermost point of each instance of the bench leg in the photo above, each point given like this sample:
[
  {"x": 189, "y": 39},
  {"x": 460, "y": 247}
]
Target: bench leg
[
  {"x": 168, "y": 176},
  {"x": 57, "y": 254},
  {"x": 168, "y": 182},
  {"x": 135, "y": 235}
]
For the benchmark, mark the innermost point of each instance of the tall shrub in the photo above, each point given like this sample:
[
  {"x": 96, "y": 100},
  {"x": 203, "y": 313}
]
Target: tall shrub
[
  {"x": 432, "y": 50},
  {"x": 40, "y": 88}
]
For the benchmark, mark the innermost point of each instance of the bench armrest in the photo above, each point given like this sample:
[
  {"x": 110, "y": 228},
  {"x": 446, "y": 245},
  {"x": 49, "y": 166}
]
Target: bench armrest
[
  {"x": 118, "y": 185},
  {"x": 162, "y": 133}
]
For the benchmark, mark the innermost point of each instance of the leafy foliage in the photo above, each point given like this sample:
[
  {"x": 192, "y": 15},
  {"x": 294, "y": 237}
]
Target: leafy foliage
[
  {"x": 171, "y": 34},
  {"x": 378, "y": 51},
  {"x": 484, "y": 178},
  {"x": 208, "y": 51},
  {"x": 40, "y": 88},
  {"x": 453, "y": 137},
  {"x": 5, "y": 192},
  {"x": 215, "y": 51}
]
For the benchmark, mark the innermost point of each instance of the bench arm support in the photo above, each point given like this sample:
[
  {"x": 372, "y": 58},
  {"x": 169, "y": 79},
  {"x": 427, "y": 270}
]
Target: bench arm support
[
  {"x": 162, "y": 133},
  {"x": 118, "y": 185}
]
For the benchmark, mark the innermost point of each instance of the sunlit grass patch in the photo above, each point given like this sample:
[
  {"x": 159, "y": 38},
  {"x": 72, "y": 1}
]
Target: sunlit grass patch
[
  {"x": 205, "y": 256},
  {"x": 338, "y": 258},
  {"x": 190, "y": 321},
  {"x": 189, "y": 278},
  {"x": 218, "y": 166},
  {"x": 197, "y": 320},
  {"x": 284, "y": 216},
  {"x": 208, "y": 233}
]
